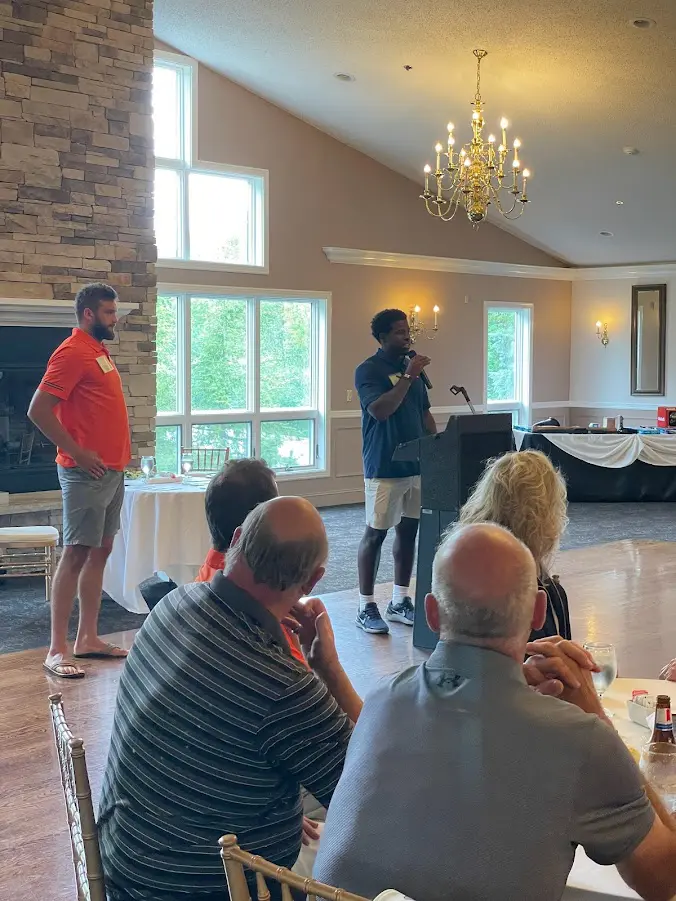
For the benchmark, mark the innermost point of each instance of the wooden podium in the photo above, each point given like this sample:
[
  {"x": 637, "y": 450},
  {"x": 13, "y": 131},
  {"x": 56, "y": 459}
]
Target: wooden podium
[{"x": 450, "y": 464}]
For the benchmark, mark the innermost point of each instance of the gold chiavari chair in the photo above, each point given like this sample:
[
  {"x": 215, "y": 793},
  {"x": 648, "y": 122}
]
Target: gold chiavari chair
[
  {"x": 84, "y": 838},
  {"x": 235, "y": 860},
  {"x": 207, "y": 459}
]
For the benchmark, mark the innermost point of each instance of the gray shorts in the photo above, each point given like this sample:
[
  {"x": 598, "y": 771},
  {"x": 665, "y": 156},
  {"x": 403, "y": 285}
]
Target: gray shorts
[{"x": 91, "y": 507}]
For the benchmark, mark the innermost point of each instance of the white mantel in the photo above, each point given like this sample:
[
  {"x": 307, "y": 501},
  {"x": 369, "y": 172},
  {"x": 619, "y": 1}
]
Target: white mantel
[{"x": 27, "y": 311}]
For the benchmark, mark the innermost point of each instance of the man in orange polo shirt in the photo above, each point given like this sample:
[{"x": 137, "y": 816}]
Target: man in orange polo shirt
[{"x": 80, "y": 406}]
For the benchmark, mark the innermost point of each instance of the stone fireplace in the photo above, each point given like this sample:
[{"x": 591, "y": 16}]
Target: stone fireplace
[{"x": 76, "y": 176}]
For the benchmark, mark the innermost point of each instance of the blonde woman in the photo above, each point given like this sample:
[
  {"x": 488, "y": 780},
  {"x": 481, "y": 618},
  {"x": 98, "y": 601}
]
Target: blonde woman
[{"x": 523, "y": 492}]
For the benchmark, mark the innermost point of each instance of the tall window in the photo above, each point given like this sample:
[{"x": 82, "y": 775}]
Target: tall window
[
  {"x": 206, "y": 215},
  {"x": 508, "y": 360},
  {"x": 244, "y": 372}
]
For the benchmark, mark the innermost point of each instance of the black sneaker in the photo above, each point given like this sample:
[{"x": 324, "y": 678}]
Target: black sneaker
[
  {"x": 401, "y": 612},
  {"x": 370, "y": 620}
]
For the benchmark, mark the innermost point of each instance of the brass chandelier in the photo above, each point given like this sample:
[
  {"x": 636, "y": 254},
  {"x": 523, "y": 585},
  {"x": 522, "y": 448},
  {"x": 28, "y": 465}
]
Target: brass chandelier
[{"x": 479, "y": 174}]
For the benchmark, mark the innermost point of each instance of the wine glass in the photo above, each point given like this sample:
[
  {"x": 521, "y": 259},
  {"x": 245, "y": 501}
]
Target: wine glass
[
  {"x": 147, "y": 465},
  {"x": 186, "y": 463},
  {"x": 606, "y": 658}
]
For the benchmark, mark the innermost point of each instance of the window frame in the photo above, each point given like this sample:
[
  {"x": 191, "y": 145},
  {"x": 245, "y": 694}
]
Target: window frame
[
  {"x": 190, "y": 162},
  {"x": 184, "y": 418},
  {"x": 520, "y": 407}
]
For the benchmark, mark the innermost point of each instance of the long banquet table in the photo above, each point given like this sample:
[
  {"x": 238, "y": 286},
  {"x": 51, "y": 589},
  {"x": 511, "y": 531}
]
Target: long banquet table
[
  {"x": 609, "y": 467},
  {"x": 163, "y": 528}
]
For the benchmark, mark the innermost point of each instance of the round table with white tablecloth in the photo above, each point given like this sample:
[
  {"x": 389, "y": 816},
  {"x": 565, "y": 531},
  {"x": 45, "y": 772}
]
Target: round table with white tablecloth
[{"x": 163, "y": 528}]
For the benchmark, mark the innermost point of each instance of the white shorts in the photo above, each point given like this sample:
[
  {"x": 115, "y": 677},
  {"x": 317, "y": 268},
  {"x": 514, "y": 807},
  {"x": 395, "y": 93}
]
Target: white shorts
[{"x": 388, "y": 500}]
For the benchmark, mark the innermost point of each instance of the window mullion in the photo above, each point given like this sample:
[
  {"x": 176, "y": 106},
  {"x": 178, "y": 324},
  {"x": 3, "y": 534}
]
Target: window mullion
[
  {"x": 184, "y": 175},
  {"x": 187, "y": 374},
  {"x": 254, "y": 372}
]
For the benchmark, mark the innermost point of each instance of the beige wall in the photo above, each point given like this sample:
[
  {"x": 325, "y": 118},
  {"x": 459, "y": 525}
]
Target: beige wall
[
  {"x": 600, "y": 377},
  {"x": 323, "y": 193}
]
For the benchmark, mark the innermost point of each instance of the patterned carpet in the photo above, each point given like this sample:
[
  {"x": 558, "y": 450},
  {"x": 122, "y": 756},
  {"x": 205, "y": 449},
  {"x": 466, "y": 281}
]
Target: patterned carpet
[{"x": 24, "y": 616}]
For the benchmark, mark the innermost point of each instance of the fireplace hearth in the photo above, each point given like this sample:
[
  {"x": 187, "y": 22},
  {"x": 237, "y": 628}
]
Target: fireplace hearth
[{"x": 26, "y": 456}]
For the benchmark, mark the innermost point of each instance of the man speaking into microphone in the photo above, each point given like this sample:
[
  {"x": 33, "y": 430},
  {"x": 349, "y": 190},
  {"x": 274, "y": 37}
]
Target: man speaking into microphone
[{"x": 394, "y": 408}]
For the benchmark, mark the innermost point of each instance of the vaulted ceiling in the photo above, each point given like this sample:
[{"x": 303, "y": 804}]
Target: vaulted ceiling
[{"x": 578, "y": 81}]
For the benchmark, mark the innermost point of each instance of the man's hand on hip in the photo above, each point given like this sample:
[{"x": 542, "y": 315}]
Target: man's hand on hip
[{"x": 91, "y": 462}]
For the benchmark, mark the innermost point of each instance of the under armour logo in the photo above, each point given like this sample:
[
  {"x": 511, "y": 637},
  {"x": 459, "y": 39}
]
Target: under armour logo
[{"x": 450, "y": 678}]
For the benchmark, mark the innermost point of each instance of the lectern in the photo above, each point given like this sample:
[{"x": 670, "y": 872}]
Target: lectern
[{"x": 450, "y": 464}]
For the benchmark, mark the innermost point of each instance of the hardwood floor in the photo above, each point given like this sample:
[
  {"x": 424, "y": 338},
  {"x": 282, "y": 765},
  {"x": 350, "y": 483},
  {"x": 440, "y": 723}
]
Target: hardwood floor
[{"x": 622, "y": 592}]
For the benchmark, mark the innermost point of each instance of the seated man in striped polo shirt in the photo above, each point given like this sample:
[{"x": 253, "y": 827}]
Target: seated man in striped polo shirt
[{"x": 216, "y": 725}]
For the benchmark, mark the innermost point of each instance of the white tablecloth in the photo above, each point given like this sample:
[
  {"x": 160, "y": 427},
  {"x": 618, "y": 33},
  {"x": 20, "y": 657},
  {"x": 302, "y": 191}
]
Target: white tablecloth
[
  {"x": 163, "y": 528},
  {"x": 588, "y": 881},
  {"x": 613, "y": 451}
]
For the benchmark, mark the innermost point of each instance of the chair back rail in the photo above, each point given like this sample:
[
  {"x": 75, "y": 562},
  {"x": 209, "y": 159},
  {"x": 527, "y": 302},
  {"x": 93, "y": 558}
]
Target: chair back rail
[
  {"x": 235, "y": 860},
  {"x": 207, "y": 459},
  {"x": 77, "y": 792}
]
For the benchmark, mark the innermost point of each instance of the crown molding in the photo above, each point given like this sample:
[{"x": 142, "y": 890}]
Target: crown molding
[
  {"x": 27, "y": 311},
  {"x": 354, "y": 257}
]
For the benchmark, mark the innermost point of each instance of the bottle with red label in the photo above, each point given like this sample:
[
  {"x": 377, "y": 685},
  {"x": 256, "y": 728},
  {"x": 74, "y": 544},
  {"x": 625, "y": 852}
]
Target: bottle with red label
[{"x": 663, "y": 733}]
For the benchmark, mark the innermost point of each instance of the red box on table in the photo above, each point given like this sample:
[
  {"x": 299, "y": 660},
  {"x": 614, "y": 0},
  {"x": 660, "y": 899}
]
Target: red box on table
[{"x": 666, "y": 417}]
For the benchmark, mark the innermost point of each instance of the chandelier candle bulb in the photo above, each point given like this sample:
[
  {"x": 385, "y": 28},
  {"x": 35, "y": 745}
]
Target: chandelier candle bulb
[
  {"x": 427, "y": 171},
  {"x": 435, "y": 310}
]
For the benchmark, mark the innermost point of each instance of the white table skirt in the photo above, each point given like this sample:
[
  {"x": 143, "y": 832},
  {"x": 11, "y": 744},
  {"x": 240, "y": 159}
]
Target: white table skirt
[
  {"x": 613, "y": 451},
  {"x": 163, "y": 527}
]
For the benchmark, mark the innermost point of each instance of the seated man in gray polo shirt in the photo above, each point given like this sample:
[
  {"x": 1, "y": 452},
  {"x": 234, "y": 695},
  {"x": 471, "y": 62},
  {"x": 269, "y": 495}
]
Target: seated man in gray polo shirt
[
  {"x": 501, "y": 783},
  {"x": 217, "y": 726}
]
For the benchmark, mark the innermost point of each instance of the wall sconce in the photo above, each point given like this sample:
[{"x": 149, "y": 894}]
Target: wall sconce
[
  {"x": 417, "y": 327},
  {"x": 602, "y": 332}
]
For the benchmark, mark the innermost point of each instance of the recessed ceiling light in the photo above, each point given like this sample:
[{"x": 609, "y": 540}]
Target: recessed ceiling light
[
  {"x": 343, "y": 76},
  {"x": 630, "y": 151},
  {"x": 619, "y": 203},
  {"x": 606, "y": 234},
  {"x": 642, "y": 22}
]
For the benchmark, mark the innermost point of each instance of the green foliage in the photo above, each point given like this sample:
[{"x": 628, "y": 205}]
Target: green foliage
[
  {"x": 285, "y": 348},
  {"x": 219, "y": 345},
  {"x": 166, "y": 448},
  {"x": 501, "y": 354},
  {"x": 167, "y": 386}
]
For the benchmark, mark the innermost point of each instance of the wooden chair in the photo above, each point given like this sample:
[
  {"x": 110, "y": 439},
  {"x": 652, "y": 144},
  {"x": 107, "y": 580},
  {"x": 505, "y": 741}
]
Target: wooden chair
[
  {"x": 26, "y": 449},
  {"x": 235, "y": 860},
  {"x": 84, "y": 838},
  {"x": 29, "y": 551},
  {"x": 207, "y": 459}
]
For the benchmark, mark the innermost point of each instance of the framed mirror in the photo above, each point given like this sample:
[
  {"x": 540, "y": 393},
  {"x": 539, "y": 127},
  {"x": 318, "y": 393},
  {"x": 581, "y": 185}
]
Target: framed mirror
[{"x": 648, "y": 338}]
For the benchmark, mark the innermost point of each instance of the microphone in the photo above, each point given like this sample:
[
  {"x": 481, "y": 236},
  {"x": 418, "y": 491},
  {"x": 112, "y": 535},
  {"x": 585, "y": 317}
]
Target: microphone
[{"x": 423, "y": 375}]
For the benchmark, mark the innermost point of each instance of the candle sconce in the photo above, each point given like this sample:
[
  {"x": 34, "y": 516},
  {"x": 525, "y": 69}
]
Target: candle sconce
[
  {"x": 417, "y": 327},
  {"x": 602, "y": 332}
]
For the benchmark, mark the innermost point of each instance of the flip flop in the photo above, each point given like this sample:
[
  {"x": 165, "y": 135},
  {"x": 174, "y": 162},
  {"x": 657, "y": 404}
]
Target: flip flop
[
  {"x": 56, "y": 666},
  {"x": 102, "y": 655}
]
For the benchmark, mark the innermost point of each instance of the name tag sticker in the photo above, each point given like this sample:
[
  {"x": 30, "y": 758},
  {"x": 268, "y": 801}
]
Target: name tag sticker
[
  {"x": 394, "y": 378},
  {"x": 104, "y": 363}
]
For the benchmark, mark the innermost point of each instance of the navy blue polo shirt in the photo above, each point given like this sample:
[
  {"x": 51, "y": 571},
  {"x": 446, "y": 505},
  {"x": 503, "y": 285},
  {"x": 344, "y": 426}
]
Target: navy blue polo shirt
[{"x": 373, "y": 378}]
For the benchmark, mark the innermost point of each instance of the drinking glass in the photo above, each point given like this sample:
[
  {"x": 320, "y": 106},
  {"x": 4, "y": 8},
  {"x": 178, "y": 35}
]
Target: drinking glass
[
  {"x": 606, "y": 658},
  {"x": 658, "y": 765},
  {"x": 186, "y": 464},
  {"x": 147, "y": 465}
]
